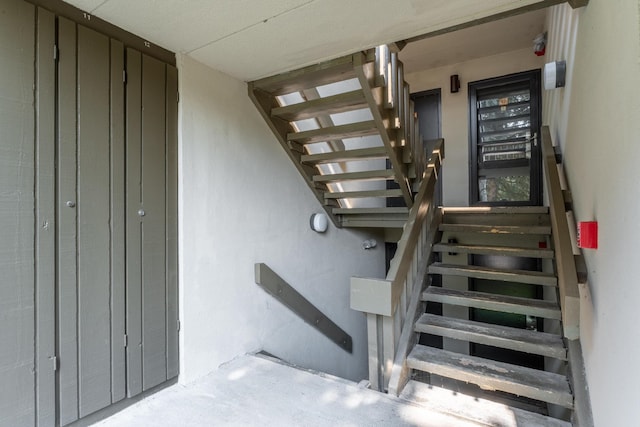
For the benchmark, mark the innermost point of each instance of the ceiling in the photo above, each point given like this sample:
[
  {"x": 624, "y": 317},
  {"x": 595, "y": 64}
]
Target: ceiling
[
  {"x": 250, "y": 39},
  {"x": 488, "y": 39}
]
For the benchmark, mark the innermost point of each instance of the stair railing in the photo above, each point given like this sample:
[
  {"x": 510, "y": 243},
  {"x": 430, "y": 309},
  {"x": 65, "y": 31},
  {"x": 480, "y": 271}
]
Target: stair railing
[
  {"x": 397, "y": 99},
  {"x": 389, "y": 303},
  {"x": 568, "y": 290}
]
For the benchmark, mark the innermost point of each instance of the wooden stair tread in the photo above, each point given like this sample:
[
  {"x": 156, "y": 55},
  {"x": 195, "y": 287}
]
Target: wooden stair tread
[
  {"x": 487, "y": 301},
  {"x": 492, "y": 375},
  {"x": 487, "y": 210},
  {"x": 364, "y": 193},
  {"x": 363, "y": 211},
  {"x": 533, "y": 342},
  {"x": 312, "y": 76},
  {"x": 494, "y": 250},
  {"x": 496, "y": 229},
  {"x": 341, "y": 156},
  {"x": 351, "y": 130},
  {"x": 478, "y": 272},
  {"x": 483, "y": 411},
  {"x": 373, "y": 175},
  {"x": 339, "y": 103}
]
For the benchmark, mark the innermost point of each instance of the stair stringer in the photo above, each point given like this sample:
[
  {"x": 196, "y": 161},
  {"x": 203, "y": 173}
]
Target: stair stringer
[
  {"x": 382, "y": 94},
  {"x": 400, "y": 372}
]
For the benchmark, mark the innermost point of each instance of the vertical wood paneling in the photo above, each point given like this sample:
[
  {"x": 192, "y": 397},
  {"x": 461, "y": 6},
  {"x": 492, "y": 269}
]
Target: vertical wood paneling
[
  {"x": 94, "y": 281},
  {"x": 154, "y": 346},
  {"x": 133, "y": 222},
  {"x": 118, "y": 369},
  {"x": 67, "y": 225},
  {"x": 17, "y": 56},
  {"x": 172, "y": 222},
  {"x": 45, "y": 219}
]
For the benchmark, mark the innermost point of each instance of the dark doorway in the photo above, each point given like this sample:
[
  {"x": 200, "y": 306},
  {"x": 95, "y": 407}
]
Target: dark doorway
[
  {"x": 505, "y": 116},
  {"x": 428, "y": 107}
]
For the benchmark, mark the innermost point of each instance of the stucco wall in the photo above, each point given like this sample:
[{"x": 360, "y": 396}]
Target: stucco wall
[
  {"x": 242, "y": 201},
  {"x": 455, "y": 111},
  {"x": 596, "y": 120}
]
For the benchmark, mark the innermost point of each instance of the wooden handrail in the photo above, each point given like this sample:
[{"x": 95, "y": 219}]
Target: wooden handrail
[
  {"x": 274, "y": 285},
  {"x": 400, "y": 264},
  {"x": 386, "y": 301},
  {"x": 565, "y": 261}
]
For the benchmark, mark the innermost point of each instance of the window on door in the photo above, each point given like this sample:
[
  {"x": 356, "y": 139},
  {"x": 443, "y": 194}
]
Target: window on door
[{"x": 505, "y": 154}]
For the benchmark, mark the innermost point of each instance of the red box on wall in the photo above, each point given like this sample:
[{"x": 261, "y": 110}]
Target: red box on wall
[{"x": 588, "y": 234}]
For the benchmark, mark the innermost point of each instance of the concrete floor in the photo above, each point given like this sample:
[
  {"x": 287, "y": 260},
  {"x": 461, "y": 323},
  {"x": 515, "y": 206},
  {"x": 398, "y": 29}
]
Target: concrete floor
[{"x": 256, "y": 391}]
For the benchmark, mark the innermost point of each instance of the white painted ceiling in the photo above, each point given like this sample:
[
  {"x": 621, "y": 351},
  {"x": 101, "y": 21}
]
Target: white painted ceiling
[
  {"x": 480, "y": 41},
  {"x": 249, "y": 39}
]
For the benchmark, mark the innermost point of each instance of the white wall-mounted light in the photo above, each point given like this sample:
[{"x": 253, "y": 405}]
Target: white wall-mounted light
[
  {"x": 319, "y": 222},
  {"x": 554, "y": 74},
  {"x": 369, "y": 244}
]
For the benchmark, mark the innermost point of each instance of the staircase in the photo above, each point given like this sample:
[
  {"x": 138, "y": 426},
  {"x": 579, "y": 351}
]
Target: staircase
[
  {"x": 489, "y": 325},
  {"x": 349, "y": 128},
  {"x": 465, "y": 333}
]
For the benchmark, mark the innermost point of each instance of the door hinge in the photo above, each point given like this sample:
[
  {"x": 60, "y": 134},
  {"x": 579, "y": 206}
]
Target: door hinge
[
  {"x": 178, "y": 97},
  {"x": 126, "y": 340},
  {"x": 54, "y": 361},
  {"x": 124, "y": 76},
  {"x": 56, "y": 52},
  {"x": 178, "y": 325}
]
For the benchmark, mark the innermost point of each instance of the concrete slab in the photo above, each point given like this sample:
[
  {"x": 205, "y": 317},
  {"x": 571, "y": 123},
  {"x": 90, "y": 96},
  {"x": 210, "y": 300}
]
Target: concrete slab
[{"x": 254, "y": 391}]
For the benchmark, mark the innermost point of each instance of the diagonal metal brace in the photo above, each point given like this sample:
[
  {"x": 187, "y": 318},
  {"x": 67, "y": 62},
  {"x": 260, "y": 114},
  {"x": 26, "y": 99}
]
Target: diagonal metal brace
[{"x": 294, "y": 301}]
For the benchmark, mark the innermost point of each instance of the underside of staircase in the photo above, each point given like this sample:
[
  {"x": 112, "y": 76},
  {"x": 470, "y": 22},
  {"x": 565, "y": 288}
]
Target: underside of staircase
[
  {"x": 487, "y": 329},
  {"x": 349, "y": 127}
]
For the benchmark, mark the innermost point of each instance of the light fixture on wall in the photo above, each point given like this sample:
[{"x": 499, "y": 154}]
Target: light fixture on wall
[
  {"x": 319, "y": 222},
  {"x": 369, "y": 244},
  {"x": 454, "y": 80},
  {"x": 554, "y": 74}
]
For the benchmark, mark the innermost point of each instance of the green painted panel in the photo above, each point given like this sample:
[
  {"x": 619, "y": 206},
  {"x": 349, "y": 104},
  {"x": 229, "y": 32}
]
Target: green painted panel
[
  {"x": 67, "y": 235},
  {"x": 17, "y": 329},
  {"x": 118, "y": 362},
  {"x": 133, "y": 270},
  {"x": 154, "y": 346},
  {"x": 45, "y": 218},
  {"x": 93, "y": 206},
  {"x": 172, "y": 222}
]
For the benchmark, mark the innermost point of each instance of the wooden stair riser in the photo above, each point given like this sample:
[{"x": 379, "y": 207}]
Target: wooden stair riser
[
  {"x": 316, "y": 75},
  {"x": 498, "y": 219},
  {"x": 470, "y": 407},
  {"x": 524, "y": 340},
  {"x": 496, "y": 229},
  {"x": 375, "y": 175},
  {"x": 342, "y": 156},
  {"x": 516, "y": 276},
  {"x": 352, "y": 130},
  {"x": 471, "y": 299},
  {"x": 454, "y": 248},
  {"x": 492, "y": 375},
  {"x": 340, "y": 103}
]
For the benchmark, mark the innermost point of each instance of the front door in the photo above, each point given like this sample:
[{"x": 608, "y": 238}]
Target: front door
[
  {"x": 506, "y": 171},
  {"x": 505, "y": 153}
]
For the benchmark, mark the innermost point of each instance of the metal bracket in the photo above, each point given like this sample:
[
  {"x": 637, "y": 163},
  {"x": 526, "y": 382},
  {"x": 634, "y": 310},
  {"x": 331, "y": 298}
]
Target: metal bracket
[{"x": 294, "y": 301}]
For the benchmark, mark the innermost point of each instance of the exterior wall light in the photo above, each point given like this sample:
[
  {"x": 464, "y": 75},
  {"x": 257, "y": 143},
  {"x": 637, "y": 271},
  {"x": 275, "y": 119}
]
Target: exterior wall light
[
  {"x": 554, "y": 74},
  {"x": 319, "y": 222},
  {"x": 369, "y": 244}
]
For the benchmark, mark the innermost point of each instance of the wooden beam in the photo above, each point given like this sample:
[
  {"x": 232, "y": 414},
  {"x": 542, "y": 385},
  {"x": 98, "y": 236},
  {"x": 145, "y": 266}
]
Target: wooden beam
[
  {"x": 273, "y": 284},
  {"x": 578, "y": 3},
  {"x": 486, "y": 19}
]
